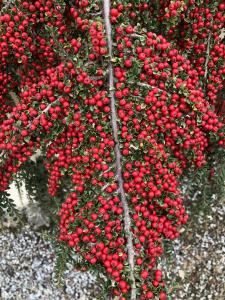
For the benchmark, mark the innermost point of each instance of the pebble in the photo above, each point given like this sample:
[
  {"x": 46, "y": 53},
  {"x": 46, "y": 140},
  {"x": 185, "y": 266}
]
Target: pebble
[
  {"x": 198, "y": 265},
  {"x": 27, "y": 270}
]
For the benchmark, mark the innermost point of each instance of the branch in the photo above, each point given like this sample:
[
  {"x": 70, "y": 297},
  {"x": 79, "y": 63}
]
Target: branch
[
  {"x": 110, "y": 168},
  {"x": 96, "y": 14},
  {"x": 127, "y": 219},
  {"x": 135, "y": 35},
  {"x": 97, "y": 77},
  {"x": 195, "y": 195},
  {"x": 44, "y": 111},
  {"x": 222, "y": 34},
  {"x": 105, "y": 186},
  {"x": 150, "y": 86},
  {"x": 207, "y": 54},
  {"x": 14, "y": 97},
  {"x": 89, "y": 63}
]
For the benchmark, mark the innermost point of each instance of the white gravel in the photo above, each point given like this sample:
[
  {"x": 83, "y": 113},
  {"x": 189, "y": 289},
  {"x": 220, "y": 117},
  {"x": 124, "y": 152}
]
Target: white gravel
[
  {"x": 198, "y": 264},
  {"x": 26, "y": 270}
]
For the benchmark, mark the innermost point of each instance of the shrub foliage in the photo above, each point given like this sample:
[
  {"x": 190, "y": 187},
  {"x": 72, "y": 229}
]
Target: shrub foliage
[{"x": 122, "y": 98}]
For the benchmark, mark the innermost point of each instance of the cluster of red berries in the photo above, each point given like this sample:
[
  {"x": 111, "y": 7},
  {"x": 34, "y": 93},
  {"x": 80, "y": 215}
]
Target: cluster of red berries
[
  {"x": 98, "y": 40},
  {"x": 55, "y": 96},
  {"x": 205, "y": 30}
]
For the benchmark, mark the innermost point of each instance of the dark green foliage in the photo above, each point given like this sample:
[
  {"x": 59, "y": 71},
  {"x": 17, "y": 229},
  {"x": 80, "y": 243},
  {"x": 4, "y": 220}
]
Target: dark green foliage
[
  {"x": 205, "y": 184},
  {"x": 35, "y": 178},
  {"x": 6, "y": 204}
]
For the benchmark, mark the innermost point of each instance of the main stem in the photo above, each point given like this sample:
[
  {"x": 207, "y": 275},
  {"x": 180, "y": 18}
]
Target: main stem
[
  {"x": 207, "y": 54},
  {"x": 127, "y": 220}
]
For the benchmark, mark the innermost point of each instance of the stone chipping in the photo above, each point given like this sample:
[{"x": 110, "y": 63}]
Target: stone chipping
[{"x": 27, "y": 270}]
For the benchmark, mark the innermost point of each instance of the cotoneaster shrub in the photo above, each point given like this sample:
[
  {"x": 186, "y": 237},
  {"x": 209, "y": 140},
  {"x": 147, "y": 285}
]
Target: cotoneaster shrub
[{"x": 121, "y": 98}]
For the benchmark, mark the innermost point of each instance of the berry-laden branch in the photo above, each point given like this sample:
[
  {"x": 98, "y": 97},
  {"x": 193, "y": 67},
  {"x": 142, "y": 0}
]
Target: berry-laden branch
[
  {"x": 135, "y": 104},
  {"x": 127, "y": 220}
]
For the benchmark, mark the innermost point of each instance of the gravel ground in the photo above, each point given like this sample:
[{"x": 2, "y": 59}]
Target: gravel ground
[
  {"x": 26, "y": 270},
  {"x": 195, "y": 271}
]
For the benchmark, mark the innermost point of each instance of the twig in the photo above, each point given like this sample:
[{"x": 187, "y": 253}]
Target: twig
[
  {"x": 106, "y": 171},
  {"x": 44, "y": 111},
  {"x": 207, "y": 55},
  {"x": 105, "y": 186},
  {"x": 89, "y": 63},
  {"x": 127, "y": 219},
  {"x": 96, "y": 14},
  {"x": 195, "y": 196},
  {"x": 222, "y": 34},
  {"x": 135, "y": 35},
  {"x": 14, "y": 97},
  {"x": 151, "y": 86},
  {"x": 97, "y": 77}
]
